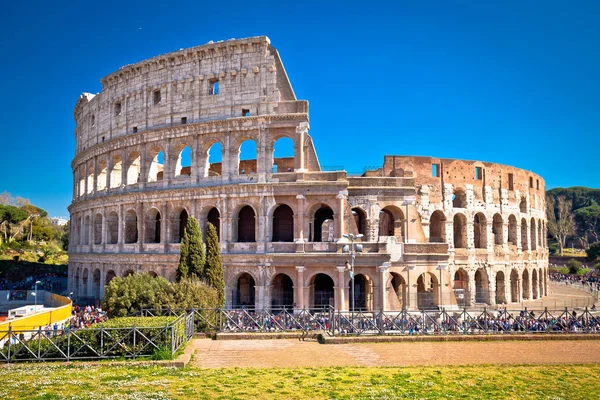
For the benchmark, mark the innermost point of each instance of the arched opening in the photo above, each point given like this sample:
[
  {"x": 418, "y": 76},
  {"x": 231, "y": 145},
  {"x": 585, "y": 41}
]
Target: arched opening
[
  {"x": 96, "y": 283},
  {"x": 539, "y": 236},
  {"x": 90, "y": 178},
  {"x": 427, "y": 291},
  {"x": 322, "y": 291},
  {"x": 181, "y": 223},
  {"x": 398, "y": 292},
  {"x": 81, "y": 183},
  {"x": 533, "y": 231},
  {"x": 360, "y": 220},
  {"x": 244, "y": 292},
  {"x": 283, "y": 155},
  {"x": 363, "y": 293},
  {"x": 183, "y": 166},
  {"x": 153, "y": 274},
  {"x": 526, "y": 293},
  {"x": 391, "y": 222},
  {"x": 524, "y": 234},
  {"x": 156, "y": 170},
  {"x": 512, "y": 230},
  {"x": 283, "y": 224},
  {"x": 514, "y": 286},
  {"x": 534, "y": 284},
  {"x": 480, "y": 231},
  {"x": 459, "y": 199},
  {"x": 102, "y": 174},
  {"x": 482, "y": 286},
  {"x": 246, "y": 225},
  {"x": 500, "y": 288},
  {"x": 131, "y": 228},
  {"x": 214, "y": 157},
  {"x": 523, "y": 205},
  {"x": 323, "y": 224},
  {"x": 461, "y": 288},
  {"x": 437, "y": 227},
  {"x": 86, "y": 229},
  {"x": 460, "y": 231},
  {"x": 214, "y": 218},
  {"x": 98, "y": 229},
  {"x": 133, "y": 168},
  {"x": 153, "y": 226},
  {"x": 497, "y": 229},
  {"x": 128, "y": 273},
  {"x": 116, "y": 172},
  {"x": 84, "y": 287},
  {"x": 112, "y": 225},
  {"x": 282, "y": 294},
  {"x": 109, "y": 276},
  {"x": 247, "y": 158}
]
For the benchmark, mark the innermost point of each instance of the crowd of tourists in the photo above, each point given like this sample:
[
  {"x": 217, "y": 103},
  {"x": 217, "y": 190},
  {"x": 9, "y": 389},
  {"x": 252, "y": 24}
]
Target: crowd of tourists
[
  {"x": 84, "y": 317},
  {"x": 586, "y": 281}
]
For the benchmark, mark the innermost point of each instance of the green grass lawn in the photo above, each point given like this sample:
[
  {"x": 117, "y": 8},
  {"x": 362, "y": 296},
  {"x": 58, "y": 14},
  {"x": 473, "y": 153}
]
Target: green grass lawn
[{"x": 81, "y": 381}]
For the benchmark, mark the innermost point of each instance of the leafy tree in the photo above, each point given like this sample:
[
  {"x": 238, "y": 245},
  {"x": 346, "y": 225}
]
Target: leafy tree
[
  {"x": 10, "y": 215},
  {"x": 64, "y": 237},
  {"x": 573, "y": 266},
  {"x": 213, "y": 267},
  {"x": 191, "y": 258},
  {"x": 561, "y": 223},
  {"x": 589, "y": 218},
  {"x": 593, "y": 252}
]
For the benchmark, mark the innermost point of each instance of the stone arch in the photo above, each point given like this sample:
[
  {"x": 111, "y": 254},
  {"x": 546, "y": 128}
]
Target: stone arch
[
  {"x": 427, "y": 291},
  {"x": 214, "y": 217},
  {"x": 90, "y": 177},
  {"x": 460, "y": 231},
  {"x": 102, "y": 174},
  {"x": 437, "y": 227},
  {"x": 498, "y": 229},
  {"x": 246, "y": 224},
  {"x": 480, "y": 231},
  {"x": 153, "y": 226},
  {"x": 514, "y": 286},
  {"x": 283, "y": 224},
  {"x": 459, "y": 198},
  {"x": 324, "y": 230},
  {"x": 112, "y": 228},
  {"x": 524, "y": 234},
  {"x": 116, "y": 172},
  {"x": 526, "y": 293},
  {"x": 391, "y": 222},
  {"x": 282, "y": 291},
  {"x": 183, "y": 164},
  {"x": 156, "y": 169},
  {"x": 110, "y": 274},
  {"x": 512, "y": 230},
  {"x": 534, "y": 284},
  {"x": 523, "y": 205},
  {"x": 482, "y": 286},
  {"x": 98, "y": 228},
  {"x": 363, "y": 292},
  {"x": 321, "y": 291},
  {"x": 128, "y": 272},
  {"x": 133, "y": 168},
  {"x": 397, "y": 288},
  {"x": 283, "y": 155},
  {"x": 179, "y": 219},
  {"x": 244, "y": 291},
  {"x": 500, "y": 288},
  {"x": 96, "y": 283},
  {"x": 360, "y": 220},
  {"x": 153, "y": 274},
  {"x": 87, "y": 226},
  {"x": 532, "y": 231},
  {"x": 214, "y": 159},
  {"x": 461, "y": 288},
  {"x": 131, "y": 227},
  {"x": 247, "y": 157}
]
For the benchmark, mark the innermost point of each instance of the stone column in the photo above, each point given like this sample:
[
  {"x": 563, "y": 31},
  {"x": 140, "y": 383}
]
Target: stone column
[
  {"x": 383, "y": 275},
  {"x": 259, "y": 296},
  {"x": 340, "y": 289},
  {"x": 124, "y": 167},
  {"x": 102, "y": 281},
  {"x": 139, "y": 210},
  {"x": 492, "y": 290},
  {"x": 299, "y": 287},
  {"x": 103, "y": 228},
  {"x": 472, "y": 287},
  {"x": 196, "y": 160},
  {"x": 109, "y": 166},
  {"x": 167, "y": 167},
  {"x": 85, "y": 182},
  {"x": 95, "y": 178},
  {"x": 299, "y": 222},
  {"x": 143, "y": 167},
  {"x": 342, "y": 195},
  {"x": 301, "y": 132},
  {"x": 163, "y": 227},
  {"x": 470, "y": 235},
  {"x": 226, "y": 159},
  {"x": 489, "y": 237}
]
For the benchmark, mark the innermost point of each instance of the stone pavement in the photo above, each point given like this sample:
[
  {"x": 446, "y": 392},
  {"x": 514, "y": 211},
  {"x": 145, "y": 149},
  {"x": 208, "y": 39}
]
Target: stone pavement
[{"x": 559, "y": 297}]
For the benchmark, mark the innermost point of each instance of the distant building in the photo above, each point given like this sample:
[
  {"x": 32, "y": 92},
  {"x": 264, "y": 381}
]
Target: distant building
[{"x": 59, "y": 221}]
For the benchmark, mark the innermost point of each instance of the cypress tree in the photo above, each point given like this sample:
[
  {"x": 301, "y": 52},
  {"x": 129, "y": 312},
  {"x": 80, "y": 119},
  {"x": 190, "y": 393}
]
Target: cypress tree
[
  {"x": 191, "y": 258},
  {"x": 213, "y": 268}
]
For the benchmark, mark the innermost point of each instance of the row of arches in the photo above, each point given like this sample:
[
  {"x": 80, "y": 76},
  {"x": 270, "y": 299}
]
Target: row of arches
[
  {"x": 535, "y": 231},
  {"x": 459, "y": 200},
  {"x": 156, "y": 165}
]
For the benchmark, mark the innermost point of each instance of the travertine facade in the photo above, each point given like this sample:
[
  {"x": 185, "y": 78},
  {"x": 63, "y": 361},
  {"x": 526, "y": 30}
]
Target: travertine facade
[{"x": 475, "y": 232}]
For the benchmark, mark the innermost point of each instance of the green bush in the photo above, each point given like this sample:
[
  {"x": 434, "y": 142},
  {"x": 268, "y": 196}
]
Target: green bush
[
  {"x": 593, "y": 252},
  {"x": 563, "y": 270},
  {"x": 573, "y": 266},
  {"x": 597, "y": 266},
  {"x": 554, "y": 249}
]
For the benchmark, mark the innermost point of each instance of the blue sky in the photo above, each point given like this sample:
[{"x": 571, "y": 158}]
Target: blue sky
[{"x": 516, "y": 83}]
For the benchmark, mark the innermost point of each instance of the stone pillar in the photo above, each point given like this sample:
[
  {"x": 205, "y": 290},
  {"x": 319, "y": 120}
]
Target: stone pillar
[
  {"x": 103, "y": 229},
  {"x": 492, "y": 290},
  {"x": 121, "y": 228},
  {"x": 299, "y": 287},
  {"x": 124, "y": 161},
  {"x": 340, "y": 290},
  {"x": 301, "y": 132},
  {"x": 470, "y": 235},
  {"x": 85, "y": 181},
  {"x": 299, "y": 222},
  {"x": 342, "y": 195},
  {"x": 472, "y": 287},
  {"x": 383, "y": 275},
  {"x": 259, "y": 295},
  {"x": 139, "y": 210},
  {"x": 226, "y": 159},
  {"x": 102, "y": 281},
  {"x": 489, "y": 237},
  {"x": 109, "y": 166},
  {"x": 144, "y": 167},
  {"x": 167, "y": 167},
  {"x": 196, "y": 160},
  {"x": 95, "y": 178},
  {"x": 163, "y": 227}
]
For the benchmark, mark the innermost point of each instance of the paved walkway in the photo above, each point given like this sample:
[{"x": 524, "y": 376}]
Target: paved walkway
[
  {"x": 559, "y": 297},
  {"x": 293, "y": 353}
]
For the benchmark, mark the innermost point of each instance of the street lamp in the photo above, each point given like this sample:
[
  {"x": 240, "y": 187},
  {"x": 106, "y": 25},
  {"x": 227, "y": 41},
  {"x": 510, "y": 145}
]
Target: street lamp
[
  {"x": 35, "y": 294},
  {"x": 352, "y": 250}
]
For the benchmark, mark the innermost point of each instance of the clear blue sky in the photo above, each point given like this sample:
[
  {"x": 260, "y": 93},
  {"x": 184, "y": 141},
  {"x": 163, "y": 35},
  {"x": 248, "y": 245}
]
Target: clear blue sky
[{"x": 515, "y": 84}]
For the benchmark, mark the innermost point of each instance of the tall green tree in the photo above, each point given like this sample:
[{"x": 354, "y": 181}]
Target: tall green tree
[
  {"x": 561, "y": 223},
  {"x": 213, "y": 267},
  {"x": 10, "y": 215},
  {"x": 191, "y": 258},
  {"x": 589, "y": 218}
]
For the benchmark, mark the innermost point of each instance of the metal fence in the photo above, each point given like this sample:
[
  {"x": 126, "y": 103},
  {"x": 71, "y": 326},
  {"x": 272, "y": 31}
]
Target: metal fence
[
  {"x": 430, "y": 322},
  {"x": 95, "y": 343}
]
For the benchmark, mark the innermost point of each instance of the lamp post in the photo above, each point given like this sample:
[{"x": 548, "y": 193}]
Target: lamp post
[
  {"x": 36, "y": 283},
  {"x": 352, "y": 250}
]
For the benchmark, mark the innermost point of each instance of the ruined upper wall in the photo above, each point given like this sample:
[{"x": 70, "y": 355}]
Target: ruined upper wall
[{"x": 179, "y": 87}]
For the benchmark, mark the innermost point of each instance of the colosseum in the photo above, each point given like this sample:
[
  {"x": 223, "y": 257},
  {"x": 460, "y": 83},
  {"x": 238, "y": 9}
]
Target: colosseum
[{"x": 436, "y": 233}]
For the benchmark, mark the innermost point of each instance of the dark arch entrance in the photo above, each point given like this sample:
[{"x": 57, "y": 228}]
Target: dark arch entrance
[
  {"x": 183, "y": 219},
  {"x": 243, "y": 295},
  {"x": 324, "y": 213},
  {"x": 482, "y": 284},
  {"x": 514, "y": 286},
  {"x": 213, "y": 217},
  {"x": 246, "y": 225},
  {"x": 360, "y": 220},
  {"x": 283, "y": 292},
  {"x": 461, "y": 288},
  {"x": 500, "y": 288},
  {"x": 397, "y": 301},
  {"x": 363, "y": 293},
  {"x": 322, "y": 291},
  {"x": 427, "y": 291},
  {"x": 283, "y": 224}
]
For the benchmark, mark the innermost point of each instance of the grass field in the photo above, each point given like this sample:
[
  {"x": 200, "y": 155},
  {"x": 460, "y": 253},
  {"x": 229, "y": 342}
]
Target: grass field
[{"x": 81, "y": 381}]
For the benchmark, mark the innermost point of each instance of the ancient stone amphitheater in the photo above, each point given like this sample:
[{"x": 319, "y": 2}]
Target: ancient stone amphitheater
[{"x": 437, "y": 232}]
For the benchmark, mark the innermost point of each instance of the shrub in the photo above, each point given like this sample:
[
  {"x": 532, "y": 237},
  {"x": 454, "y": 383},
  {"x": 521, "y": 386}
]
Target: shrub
[
  {"x": 593, "y": 252},
  {"x": 573, "y": 266},
  {"x": 597, "y": 266},
  {"x": 563, "y": 270}
]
